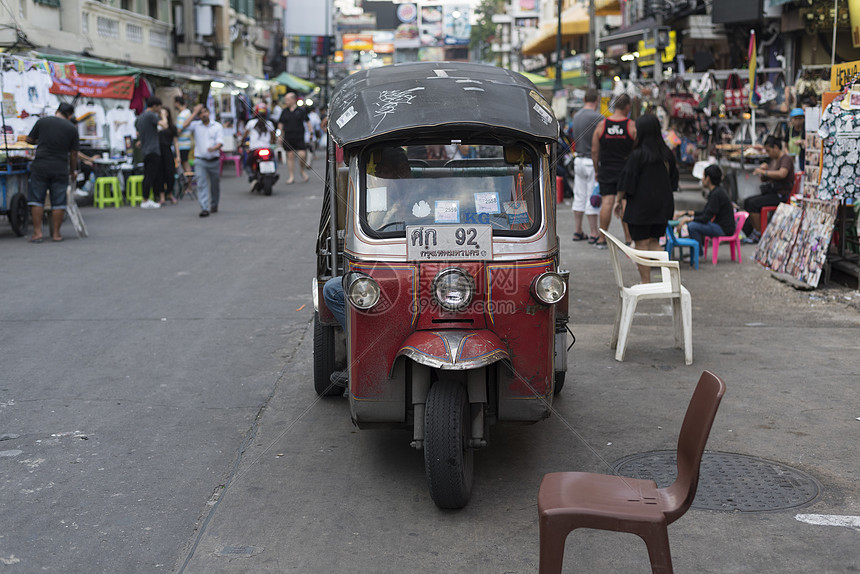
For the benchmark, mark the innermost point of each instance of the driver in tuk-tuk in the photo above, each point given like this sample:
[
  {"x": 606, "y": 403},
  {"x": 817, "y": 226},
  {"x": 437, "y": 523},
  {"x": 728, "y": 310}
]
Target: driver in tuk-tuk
[{"x": 390, "y": 163}]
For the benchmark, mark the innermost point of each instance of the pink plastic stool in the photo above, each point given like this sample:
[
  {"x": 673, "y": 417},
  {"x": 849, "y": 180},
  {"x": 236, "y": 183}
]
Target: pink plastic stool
[
  {"x": 237, "y": 159},
  {"x": 734, "y": 241}
]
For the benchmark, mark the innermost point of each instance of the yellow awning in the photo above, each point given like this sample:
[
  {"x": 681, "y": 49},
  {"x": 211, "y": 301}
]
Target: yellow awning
[
  {"x": 574, "y": 22},
  {"x": 607, "y": 7}
]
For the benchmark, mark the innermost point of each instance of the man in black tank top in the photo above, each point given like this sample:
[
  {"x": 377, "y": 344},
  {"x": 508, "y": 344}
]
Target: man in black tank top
[{"x": 611, "y": 145}]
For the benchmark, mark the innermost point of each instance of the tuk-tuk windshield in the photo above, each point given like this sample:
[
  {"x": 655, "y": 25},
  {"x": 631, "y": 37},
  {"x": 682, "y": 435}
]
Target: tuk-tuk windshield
[{"x": 450, "y": 185}]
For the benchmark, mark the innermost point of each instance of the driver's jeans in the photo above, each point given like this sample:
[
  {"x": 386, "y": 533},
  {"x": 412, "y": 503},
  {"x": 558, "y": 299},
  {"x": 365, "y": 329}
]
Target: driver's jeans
[{"x": 335, "y": 299}]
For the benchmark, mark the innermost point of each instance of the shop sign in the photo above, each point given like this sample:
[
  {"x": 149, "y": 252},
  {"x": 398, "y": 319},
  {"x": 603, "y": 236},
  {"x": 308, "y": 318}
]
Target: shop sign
[
  {"x": 68, "y": 82},
  {"x": 841, "y": 74},
  {"x": 573, "y": 64},
  {"x": 458, "y": 31},
  {"x": 646, "y": 55},
  {"x": 358, "y": 42}
]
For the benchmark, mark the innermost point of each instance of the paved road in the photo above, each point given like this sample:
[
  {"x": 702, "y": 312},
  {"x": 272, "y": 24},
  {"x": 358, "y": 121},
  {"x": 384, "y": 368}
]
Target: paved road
[{"x": 157, "y": 412}]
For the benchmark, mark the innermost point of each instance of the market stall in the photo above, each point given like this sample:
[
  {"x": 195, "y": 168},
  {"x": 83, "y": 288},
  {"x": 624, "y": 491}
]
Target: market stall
[{"x": 818, "y": 232}]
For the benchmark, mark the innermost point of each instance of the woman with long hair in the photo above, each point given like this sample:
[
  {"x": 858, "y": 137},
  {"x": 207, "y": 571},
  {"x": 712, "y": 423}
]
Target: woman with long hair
[
  {"x": 168, "y": 143},
  {"x": 647, "y": 183}
]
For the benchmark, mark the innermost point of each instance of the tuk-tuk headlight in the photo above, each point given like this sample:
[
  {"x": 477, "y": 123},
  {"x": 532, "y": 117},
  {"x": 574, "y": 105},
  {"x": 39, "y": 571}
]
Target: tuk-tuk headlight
[
  {"x": 363, "y": 292},
  {"x": 549, "y": 288},
  {"x": 453, "y": 289}
]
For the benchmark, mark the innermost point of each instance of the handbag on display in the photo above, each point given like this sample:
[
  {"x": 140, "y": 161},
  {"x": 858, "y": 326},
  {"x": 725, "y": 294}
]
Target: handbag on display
[
  {"x": 734, "y": 93},
  {"x": 682, "y": 106}
]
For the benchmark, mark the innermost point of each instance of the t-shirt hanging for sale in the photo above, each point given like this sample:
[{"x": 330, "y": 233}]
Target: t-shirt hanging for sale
[
  {"x": 120, "y": 124},
  {"x": 91, "y": 121},
  {"x": 840, "y": 166}
]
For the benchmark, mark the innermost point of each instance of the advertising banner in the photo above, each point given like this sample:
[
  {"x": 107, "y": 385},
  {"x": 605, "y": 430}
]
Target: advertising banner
[
  {"x": 432, "y": 30},
  {"x": 406, "y": 34},
  {"x": 457, "y": 27},
  {"x": 68, "y": 82},
  {"x": 357, "y": 42}
]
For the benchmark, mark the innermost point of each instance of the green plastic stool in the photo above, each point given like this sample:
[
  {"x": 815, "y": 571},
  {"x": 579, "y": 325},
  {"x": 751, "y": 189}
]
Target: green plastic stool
[
  {"x": 102, "y": 197},
  {"x": 134, "y": 190}
]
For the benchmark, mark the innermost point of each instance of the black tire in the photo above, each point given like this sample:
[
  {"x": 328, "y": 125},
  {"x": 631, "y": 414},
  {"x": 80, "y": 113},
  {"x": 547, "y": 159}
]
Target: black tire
[
  {"x": 448, "y": 460},
  {"x": 559, "y": 382},
  {"x": 324, "y": 359},
  {"x": 19, "y": 214},
  {"x": 267, "y": 186}
]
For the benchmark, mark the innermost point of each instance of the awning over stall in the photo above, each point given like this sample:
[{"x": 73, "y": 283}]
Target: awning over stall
[{"x": 628, "y": 35}]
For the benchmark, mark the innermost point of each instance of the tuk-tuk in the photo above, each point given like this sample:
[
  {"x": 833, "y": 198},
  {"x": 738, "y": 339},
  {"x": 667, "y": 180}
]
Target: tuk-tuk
[{"x": 438, "y": 223}]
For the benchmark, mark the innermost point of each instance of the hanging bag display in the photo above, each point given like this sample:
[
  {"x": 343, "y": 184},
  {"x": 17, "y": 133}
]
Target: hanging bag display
[
  {"x": 734, "y": 94},
  {"x": 682, "y": 106}
]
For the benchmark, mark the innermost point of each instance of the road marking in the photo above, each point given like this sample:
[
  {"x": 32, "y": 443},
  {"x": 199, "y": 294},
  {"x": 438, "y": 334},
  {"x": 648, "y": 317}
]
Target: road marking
[{"x": 830, "y": 520}]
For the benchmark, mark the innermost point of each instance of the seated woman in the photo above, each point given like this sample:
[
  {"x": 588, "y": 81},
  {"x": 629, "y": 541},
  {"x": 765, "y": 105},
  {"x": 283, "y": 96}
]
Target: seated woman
[{"x": 777, "y": 178}]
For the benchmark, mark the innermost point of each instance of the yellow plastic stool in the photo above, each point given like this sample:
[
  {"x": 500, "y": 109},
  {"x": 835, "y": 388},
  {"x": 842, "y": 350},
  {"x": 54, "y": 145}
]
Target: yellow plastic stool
[
  {"x": 134, "y": 190},
  {"x": 102, "y": 197}
]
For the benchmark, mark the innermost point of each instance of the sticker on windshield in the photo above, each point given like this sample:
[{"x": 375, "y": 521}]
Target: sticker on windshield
[
  {"x": 447, "y": 211},
  {"x": 421, "y": 209},
  {"x": 346, "y": 116},
  {"x": 487, "y": 202},
  {"x": 517, "y": 212},
  {"x": 544, "y": 115},
  {"x": 377, "y": 199}
]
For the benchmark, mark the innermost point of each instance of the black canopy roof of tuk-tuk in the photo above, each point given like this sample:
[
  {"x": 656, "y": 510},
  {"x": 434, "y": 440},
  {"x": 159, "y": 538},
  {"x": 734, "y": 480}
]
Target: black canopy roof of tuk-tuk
[{"x": 420, "y": 98}]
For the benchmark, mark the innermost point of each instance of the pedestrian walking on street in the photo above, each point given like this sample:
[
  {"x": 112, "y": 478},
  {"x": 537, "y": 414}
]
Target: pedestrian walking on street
[
  {"x": 184, "y": 134},
  {"x": 56, "y": 140},
  {"x": 584, "y": 123},
  {"x": 293, "y": 124},
  {"x": 611, "y": 145},
  {"x": 168, "y": 143},
  {"x": 208, "y": 141},
  {"x": 147, "y": 136},
  {"x": 647, "y": 183}
]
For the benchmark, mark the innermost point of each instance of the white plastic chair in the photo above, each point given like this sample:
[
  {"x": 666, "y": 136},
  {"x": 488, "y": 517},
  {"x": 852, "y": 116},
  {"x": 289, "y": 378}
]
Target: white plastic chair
[{"x": 669, "y": 288}]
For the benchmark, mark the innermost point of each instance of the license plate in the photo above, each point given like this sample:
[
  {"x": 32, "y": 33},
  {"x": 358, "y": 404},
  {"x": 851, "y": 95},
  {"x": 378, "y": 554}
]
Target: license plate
[
  {"x": 449, "y": 242},
  {"x": 267, "y": 167}
]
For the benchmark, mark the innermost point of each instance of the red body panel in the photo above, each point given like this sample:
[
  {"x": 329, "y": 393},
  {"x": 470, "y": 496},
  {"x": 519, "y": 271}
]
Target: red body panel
[{"x": 502, "y": 321}]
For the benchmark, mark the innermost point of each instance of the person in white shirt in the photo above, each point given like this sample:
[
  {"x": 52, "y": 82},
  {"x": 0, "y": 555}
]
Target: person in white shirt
[
  {"x": 208, "y": 141},
  {"x": 259, "y": 131}
]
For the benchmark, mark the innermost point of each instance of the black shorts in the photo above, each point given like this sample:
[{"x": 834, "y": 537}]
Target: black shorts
[
  {"x": 610, "y": 188},
  {"x": 294, "y": 142},
  {"x": 183, "y": 155},
  {"x": 647, "y": 231},
  {"x": 41, "y": 183}
]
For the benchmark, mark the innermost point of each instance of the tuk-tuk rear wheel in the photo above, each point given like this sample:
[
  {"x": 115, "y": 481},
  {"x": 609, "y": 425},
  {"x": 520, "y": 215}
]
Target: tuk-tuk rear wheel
[
  {"x": 448, "y": 460},
  {"x": 324, "y": 359}
]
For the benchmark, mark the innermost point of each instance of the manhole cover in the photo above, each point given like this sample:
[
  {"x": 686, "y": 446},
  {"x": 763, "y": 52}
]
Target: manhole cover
[{"x": 731, "y": 482}]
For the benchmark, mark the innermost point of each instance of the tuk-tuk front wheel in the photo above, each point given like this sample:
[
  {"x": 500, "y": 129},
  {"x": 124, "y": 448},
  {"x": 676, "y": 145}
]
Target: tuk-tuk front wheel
[
  {"x": 324, "y": 359},
  {"x": 448, "y": 460}
]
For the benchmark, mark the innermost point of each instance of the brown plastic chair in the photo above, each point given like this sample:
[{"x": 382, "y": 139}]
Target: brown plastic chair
[{"x": 570, "y": 500}]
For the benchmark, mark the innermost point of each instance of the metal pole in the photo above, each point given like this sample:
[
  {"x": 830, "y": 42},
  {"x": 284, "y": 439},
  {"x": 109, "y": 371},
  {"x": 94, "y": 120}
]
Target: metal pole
[
  {"x": 558, "y": 85},
  {"x": 833, "y": 50},
  {"x": 592, "y": 46},
  {"x": 327, "y": 51}
]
